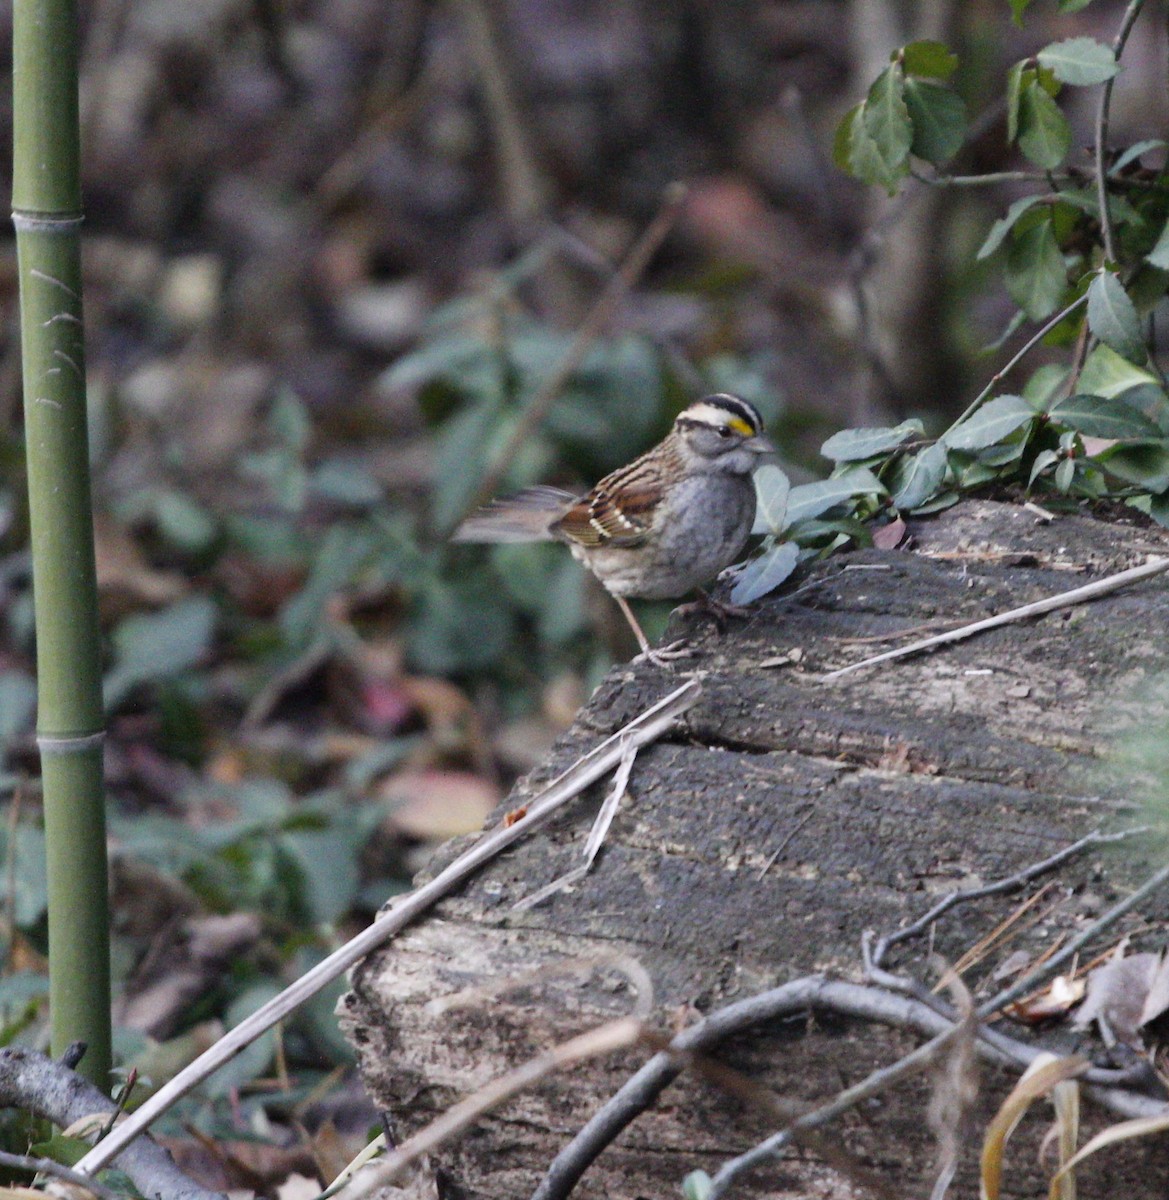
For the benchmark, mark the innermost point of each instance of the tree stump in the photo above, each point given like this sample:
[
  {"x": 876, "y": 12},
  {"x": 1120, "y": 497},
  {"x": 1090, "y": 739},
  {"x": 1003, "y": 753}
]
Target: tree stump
[{"x": 780, "y": 820}]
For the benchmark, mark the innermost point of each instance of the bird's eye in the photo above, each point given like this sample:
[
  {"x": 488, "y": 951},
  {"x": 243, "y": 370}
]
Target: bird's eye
[{"x": 724, "y": 431}]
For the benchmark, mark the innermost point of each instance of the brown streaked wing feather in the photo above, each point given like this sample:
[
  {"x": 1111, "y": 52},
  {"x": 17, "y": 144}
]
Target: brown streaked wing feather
[{"x": 619, "y": 511}]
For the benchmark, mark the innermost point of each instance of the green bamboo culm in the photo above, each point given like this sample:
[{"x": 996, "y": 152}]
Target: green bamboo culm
[{"x": 46, "y": 201}]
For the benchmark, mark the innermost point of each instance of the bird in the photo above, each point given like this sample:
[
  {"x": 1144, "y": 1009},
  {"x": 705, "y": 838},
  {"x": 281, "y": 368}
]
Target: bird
[{"x": 660, "y": 526}]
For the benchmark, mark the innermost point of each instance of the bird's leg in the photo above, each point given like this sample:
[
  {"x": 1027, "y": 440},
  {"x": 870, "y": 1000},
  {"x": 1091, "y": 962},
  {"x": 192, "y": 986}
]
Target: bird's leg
[{"x": 660, "y": 657}]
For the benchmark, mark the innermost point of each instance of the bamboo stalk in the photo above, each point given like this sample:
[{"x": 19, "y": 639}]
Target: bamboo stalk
[{"x": 46, "y": 198}]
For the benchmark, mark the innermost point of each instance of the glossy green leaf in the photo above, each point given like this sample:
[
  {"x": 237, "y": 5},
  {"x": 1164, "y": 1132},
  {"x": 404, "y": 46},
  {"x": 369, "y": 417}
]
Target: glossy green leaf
[
  {"x": 766, "y": 572},
  {"x": 1159, "y": 255},
  {"x": 1036, "y": 275},
  {"x": 932, "y": 59},
  {"x": 812, "y": 499},
  {"x": 1105, "y": 373},
  {"x": 1080, "y": 61},
  {"x": 1113, "y": 318},
  {"x": 938, "y": 116},
  {"x": 1044, "y": 134},
  {"x": 918, "y": 477},
  {"x": 1004, "y": 225},
  {"x": 851, "y": 445},
  {"x": 1064, "y": 474},
  {"x": 1145, "y": 463},
  {"x": 772, "y": 487},
  {"x": 995, "y": 420},
  {"x": 1102, "y": 417}
]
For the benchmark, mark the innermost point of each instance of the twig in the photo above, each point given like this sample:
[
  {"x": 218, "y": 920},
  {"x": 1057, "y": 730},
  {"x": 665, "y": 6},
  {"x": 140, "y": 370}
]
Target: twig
[
  {"x": 875, "y": 1084},
  {"x": 53, "y": 1091},
  {"x": 1026, "y": 349},
  {"x": 626, "y": 275},
  {"x": 1090, "y": 591},
  {"x": 48, "y": 1166},
  {"x": 524, "y": 191},
  {"x": 812, "y": 992},
  {"x": 1102, "y": 114},
  {"x": 1010, "y": 884},
  {"x": 586, "y": 770},
  {"x": 595, "y": 839},
  {"x": 1024, "y": 985}
]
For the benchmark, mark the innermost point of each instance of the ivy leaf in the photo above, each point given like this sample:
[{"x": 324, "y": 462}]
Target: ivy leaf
[
  {"x": 765, "y": 573},
  {"x": 812, "y": 499},
  {"x": 1044, "y": 134},
  {"x": 994, "y": 421},
  {"x": 1145, "y": 463},
  {"x": 938, "y": 116},
  {"x": 932, "y": 59},
  {"x": 1107, "y": 374},
  {"x": 1159, "y": 255},
  {"x": 1113, "y": 318},
  {"x": 1004, "y": 225},
  {"x": 1102, "y": 417},
  {"x": 850, "y": 445},
  {"x": 1080, "y": 61},
  {"x": 772, "y": 488},
  {"x": 918, "y": 477},
  {"x": 1036, "y": 276}
]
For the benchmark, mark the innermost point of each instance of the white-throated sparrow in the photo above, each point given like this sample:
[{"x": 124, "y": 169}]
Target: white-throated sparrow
[{"x": 659, "y": 527}]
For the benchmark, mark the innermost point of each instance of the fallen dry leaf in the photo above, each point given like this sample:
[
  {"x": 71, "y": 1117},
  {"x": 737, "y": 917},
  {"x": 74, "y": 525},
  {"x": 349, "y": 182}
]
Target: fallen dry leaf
[{"x": 436, "y": 805}]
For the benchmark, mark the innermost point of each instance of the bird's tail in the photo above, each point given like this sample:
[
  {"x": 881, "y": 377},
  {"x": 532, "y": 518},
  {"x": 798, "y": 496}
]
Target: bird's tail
[{"x": 525, "y": 517}]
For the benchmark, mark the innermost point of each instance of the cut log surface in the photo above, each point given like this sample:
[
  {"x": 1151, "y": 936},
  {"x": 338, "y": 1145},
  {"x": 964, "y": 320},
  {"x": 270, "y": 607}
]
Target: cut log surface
[{"x": 781, "y": 819}]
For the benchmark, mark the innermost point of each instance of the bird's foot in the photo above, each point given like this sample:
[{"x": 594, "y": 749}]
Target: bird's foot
[
  {"x": 666, "y": 656},
  {"x": 707, "y": 606}
]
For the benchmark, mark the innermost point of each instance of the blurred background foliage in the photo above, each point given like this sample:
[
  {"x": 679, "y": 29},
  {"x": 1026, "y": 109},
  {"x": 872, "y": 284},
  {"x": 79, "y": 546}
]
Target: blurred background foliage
[{"x": 333, "y": 251}]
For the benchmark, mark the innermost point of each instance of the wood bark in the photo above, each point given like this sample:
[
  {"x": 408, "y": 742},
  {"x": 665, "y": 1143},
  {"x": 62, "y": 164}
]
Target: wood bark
[{"x": 783, "y": 818}]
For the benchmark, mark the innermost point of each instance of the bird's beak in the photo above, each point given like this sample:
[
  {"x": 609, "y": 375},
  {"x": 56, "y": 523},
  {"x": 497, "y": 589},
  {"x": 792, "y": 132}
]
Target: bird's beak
[{"x": 759, "y": 445}]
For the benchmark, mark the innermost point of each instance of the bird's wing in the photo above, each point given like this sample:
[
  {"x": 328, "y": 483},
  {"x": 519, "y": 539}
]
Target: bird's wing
[{"x": 620, "y": 510}]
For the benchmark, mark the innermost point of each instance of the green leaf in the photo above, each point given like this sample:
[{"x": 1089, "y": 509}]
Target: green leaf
[
  {"x": 1113, "y": 318},
  {"x": 766, "y": 572},
  {"x": 995, "y": 420},
  {"x": 153, "y": 646},
  {"x": 919, "y": 477},
  {"x": 938, "y": 116},
  {"x": 1043, "y": 460},
  {"x": 1071, "y": 6},
  {"x": 1102, "y": 417},
  {"x": 842, "y": 139},
  {"x": 1064, "y": 474},
  {"x": 1018, "y": 8},
  {"x": 1015, "y": 81},
  {"x": 1159, "y": 255},
  {"x": 1080, "y": 61},
  {"x": 812, "y": 499},
  {"x": 1044, "y": 134},
  {"x": 850, "y": 445},
  {"x": 1036, "y": 276},
  {"x": 933, "y": 59},
  {"x": 1107, "y": 374},
  {"x": 1145, "y": 463},
  {"x": 1004, "y": 225},
  {"x": 1135, "y": 151},
  {"x": 771, "y": 492},
  {"x": 881, "y": 138}
]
